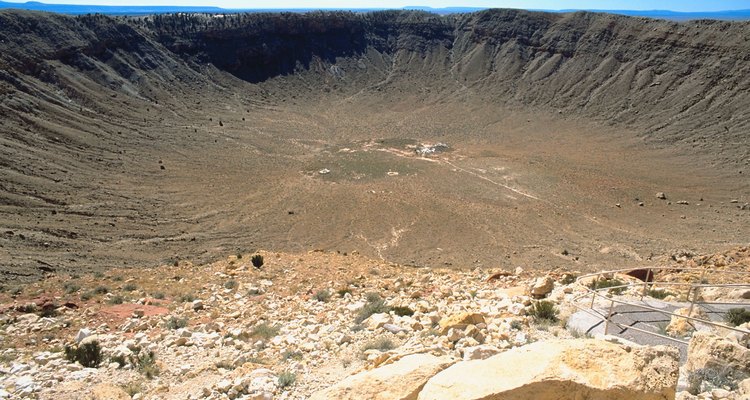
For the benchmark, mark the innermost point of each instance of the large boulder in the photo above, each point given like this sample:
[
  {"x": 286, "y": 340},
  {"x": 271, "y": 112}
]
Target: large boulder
[
  {"x": 680, "y": 326},
  {"x": 401, "y": 380},
  {"x": 571, "y": 369},
  {"x": 710, "y": 351}
]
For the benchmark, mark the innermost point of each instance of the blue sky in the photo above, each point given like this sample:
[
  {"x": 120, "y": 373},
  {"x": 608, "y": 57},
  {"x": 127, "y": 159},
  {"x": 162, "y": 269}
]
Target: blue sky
[{"x": 674, "y": 5}]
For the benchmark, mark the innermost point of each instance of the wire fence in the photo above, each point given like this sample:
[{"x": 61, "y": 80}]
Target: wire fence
[{"x": 602, "y": 305}]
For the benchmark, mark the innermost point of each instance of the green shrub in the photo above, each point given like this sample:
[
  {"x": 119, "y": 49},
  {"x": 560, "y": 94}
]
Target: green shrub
[
  {"x": 372, "y": 297},
  {"x": 116, "y": 299},
  {"x": 120, "y": 360},
  {"x": 230, "y": 284},
  {"x": 737, "y": 316},
  {"x": 707, "y": 379},
  {"x": 176, "y": 323},
  {"x": 187, "y": 297},
  {"x": 544, "y": 310},
  {"x": 658, "y": 293},
  {"x": 88, "y": 354},
  {"x": 567, "y": 279},
  {"x": 374, "y": 305},
  {"x": 265, "y": 331},
  {"x": 381, "y": 343},
  {"x": 323, "y": 296},
  {"x": 402, "y": 311},
  {"x": 287, "y": 379},
  {"x": 257, "y": 261},
  {"x": 133, "y": 388},
  {"x": 608, "y": 283},
  {"x": 159, "y": 295},
  {"x": 145, "y": 363},
  {"x": 71, "y": 287},
  {"x": 129, "y": 287},
  {"x": 101, "y": 290},
  {"x": 291, "y": 355},
  {"x": 85, "y": 296}
]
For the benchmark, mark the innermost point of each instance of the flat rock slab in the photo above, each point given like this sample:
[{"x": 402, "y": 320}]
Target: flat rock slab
[
  {"x": 401, "y": 380},
  {"x": 560, "y": 370}
]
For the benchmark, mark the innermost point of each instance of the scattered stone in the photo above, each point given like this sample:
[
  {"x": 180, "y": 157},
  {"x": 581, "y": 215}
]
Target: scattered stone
[
  {"x": 541, "y": 287},
  {"x": 661, "y": 196},
  {"x": 460, "y": 321}
]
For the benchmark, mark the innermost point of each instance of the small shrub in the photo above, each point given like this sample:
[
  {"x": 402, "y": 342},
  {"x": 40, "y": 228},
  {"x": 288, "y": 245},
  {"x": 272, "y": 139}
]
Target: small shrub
[
  {"x": 608, "y": 283},
  {"x": 516, "y": 324},
  {"x": 658, "y": 293},
  {"x": 291, "y": 355},
  {"x": 580, "y": 334},
  {"x": 265, "y": 331},
  {"x": 567, "y": 279},
  {"x": 343, "y": 291},
  {"x": 225, "y": 364},
  {"x": 187, "y": 298},
  {"x": 661, "y": 328},
  {"x": 543, "y": 311},
  {"x": 230, "y": 284},
  {"x": 48, "y": 310},
  {"x": 116, "y": 299},
  {"x": 119, "y": 359},
  {"x": 402, "y": 311},
  {"x": 101, "y": 290},
  {"x": 287, "y": 379},
  {"x": 254, "y": 292},
  {"x": 71, "y": 287},
  {"x": 129, "y": 287},
  {"x": 175, "y": 323},
  {"x": 372, "y": 307},
  {"x": 357, "y": 328},
  {"x": 98, "y": 275},
  {"x": 86, "y": 296},
  {"x": 117, "y": 278},
  {"x": 381, "y": 343},
  {"x": 159, "y": 295},
  {"x": 133, "y": 388},
  {"x": 323, "y": 296},
  {"x": 707, "y": 379},
  {"x": 88, "y": 354},
  {"x": 145, "y": 363},
  {"x": 372, "y": 297},
  {"x": 257, "y": 261},
  {"x": 737, "y": 316},
  {"x": 29, "y": 308}
]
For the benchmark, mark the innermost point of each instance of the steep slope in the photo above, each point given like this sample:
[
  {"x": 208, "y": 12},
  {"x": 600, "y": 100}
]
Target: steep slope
[{"x": 148, "y": 140}]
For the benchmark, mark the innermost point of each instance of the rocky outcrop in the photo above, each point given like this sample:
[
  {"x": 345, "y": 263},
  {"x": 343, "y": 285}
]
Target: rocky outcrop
[
  {"x": 401, "y": 380},
  {"x": 572, "y": 369},
  {"x": 707, "y": 350}
]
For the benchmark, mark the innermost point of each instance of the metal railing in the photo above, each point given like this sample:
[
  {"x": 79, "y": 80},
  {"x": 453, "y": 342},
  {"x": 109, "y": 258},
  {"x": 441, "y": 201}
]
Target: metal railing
[{"x": 692, "y": 296}]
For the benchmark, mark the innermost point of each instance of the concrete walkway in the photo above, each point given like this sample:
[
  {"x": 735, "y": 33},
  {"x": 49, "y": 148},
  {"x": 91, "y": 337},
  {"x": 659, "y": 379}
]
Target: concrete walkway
[{"x": 627, "y": 316}]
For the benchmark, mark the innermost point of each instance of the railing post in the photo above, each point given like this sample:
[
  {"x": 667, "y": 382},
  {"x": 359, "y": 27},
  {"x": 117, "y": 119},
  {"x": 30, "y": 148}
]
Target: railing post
[
  {"x": 609, "y": 316},
  {"x": 594, "y": 292}
]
